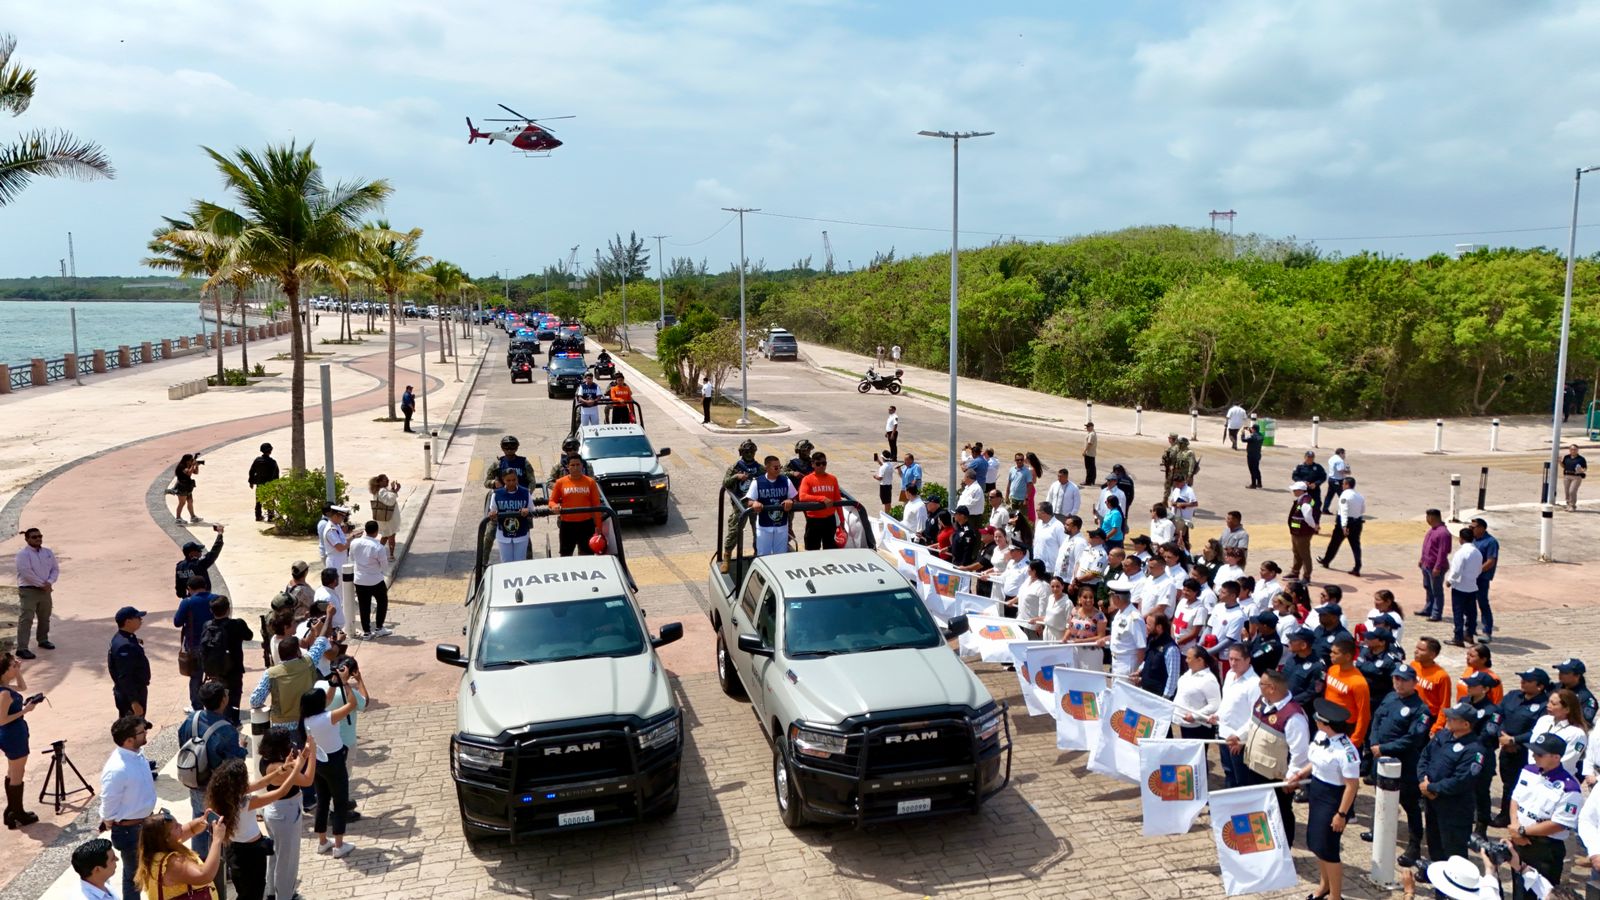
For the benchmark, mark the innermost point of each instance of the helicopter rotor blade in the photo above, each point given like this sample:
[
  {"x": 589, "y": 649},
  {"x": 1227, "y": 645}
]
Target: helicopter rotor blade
[
  {"x": 552, "y": 118},
  {"x": 513, "y": 112}
]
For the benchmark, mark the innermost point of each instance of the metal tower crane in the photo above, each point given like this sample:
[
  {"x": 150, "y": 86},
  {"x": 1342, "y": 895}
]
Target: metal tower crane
[
  {"x": 827, "y": 253},
  {"x": 571, "y": 269}
]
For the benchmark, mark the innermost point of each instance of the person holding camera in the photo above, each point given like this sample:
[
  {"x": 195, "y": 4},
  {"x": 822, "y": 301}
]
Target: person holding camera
[
  {"x": 1544, "y": 809},
  {"x": 319, "y": 721},
  {"x": 14, "y": 737},
  {"x": 282, "y": 816},
  {"x": 235, "y": 799},
  {"x": 183, "y": 485},
  {"x": 196, "y": 562}
]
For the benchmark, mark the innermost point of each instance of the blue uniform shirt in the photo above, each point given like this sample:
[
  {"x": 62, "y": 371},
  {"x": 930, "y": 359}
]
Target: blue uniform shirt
[
  {"x": 1400, "y": 729},
  {"x": 127, "y": 664},
  {"x": 1490, "y": 548},
  {"x": 1451, "y": 764},
  {"x": 1519, "y": 713}
]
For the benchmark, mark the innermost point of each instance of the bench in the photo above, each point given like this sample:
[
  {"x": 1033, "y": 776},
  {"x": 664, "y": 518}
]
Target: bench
[
  {"x": 178, "y": 352},
  {"x": 186, "y": 388}
]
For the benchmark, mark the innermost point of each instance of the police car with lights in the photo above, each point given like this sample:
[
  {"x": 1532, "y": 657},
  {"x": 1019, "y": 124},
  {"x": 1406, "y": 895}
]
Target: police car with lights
[
  {"x": 564, "y": 373},
  {"x": 870, "y": 715},
  {"x": 627, "y": 466},
  {"x": 564, "y": 716}
]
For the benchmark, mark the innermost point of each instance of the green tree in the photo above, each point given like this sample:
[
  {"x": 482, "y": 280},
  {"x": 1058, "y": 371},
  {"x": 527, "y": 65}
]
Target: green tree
[
  {"x": 290, "y": 226},
  {"x": 396, "y": 267},
  {"x": 39, "y": 153},
  {"x": 442, "y": 279}
]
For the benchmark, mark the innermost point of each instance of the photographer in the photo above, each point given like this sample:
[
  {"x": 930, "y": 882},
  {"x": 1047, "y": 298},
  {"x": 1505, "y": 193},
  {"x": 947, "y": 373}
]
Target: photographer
[
  {"x": 318, "y": 721},
  {"x": 183, "y": 485},
  {"x": 196, "y": 562},
  {"x": 1544, "y": 809}
]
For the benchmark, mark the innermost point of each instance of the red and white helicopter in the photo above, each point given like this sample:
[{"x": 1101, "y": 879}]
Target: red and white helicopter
[{"x": 529, "y": 137}]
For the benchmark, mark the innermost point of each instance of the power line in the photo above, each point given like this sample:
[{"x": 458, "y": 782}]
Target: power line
[
  {"x": 709, "y": 236},
  {"x": 908, "y": 227},
  {"x": 1396, "y": 237}
]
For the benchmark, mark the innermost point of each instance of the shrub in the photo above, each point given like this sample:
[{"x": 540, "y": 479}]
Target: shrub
[
  {"x": 259, "y": 371},
  {"x": 931, "y": 490},
  {"x": 296, "y": 500},
  {"x": 230, "y": 378}
]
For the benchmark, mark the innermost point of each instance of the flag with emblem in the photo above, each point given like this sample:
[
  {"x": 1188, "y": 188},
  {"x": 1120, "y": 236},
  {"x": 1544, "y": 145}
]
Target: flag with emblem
[
  {"x": 908, "y": 557},
  {"x": 939, "y": 583},
  {"x": 988, "y": 637},
  {"x": 1036, "y": 665},
  {"x": 1131, "y": 714},
  {"x": 1172, "y": 784},
  {"x": 890, "y": 527},
  {"x": 1251, "y": 849},
  {"x": 966, "y": 604},
  {"x": 1076, "y": 704}
]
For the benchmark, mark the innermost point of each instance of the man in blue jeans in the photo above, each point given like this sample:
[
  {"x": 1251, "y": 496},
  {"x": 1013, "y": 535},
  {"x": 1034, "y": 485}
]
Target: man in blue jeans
[
  {"x": 1435, "y": 560},
  {"x": 1489, "y": 547},
  {"x": 127, "y": 795}
]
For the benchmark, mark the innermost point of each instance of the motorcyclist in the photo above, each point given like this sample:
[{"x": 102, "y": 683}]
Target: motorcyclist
[
  {"x": 603, "y": 360},
  {"x": 736, "y": 481},
  {"x": 800, "y": 466},
  {"x": 508, "y": 460}
]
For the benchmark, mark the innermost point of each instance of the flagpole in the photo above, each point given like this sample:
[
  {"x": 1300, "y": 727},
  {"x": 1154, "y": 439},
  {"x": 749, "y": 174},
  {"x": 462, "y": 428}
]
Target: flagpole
[
  {"x": 1250, "y": 787},
  {"x": 1151, "y": 740}
]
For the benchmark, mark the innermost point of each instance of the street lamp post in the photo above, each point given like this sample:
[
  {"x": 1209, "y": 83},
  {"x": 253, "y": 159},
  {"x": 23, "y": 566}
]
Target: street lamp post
[
  {"x": 661, "y": 279},
  {"x": 955, "y": 138},
  {"x": 1566, "y": 327},
  {"x": 744, "y": 343}
]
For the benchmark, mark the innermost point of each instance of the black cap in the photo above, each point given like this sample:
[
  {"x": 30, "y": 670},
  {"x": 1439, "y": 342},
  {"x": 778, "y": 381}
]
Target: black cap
[
  {"x": 1480, "y": 679},
  {"x": 1462, "y": 710},
  {"x": 1331, "y": 712},
  {"x": 193, "y": 546},
  {"x": 1302, "y": 634},
  {"x": 1549, "y": 742},
  {"x": 1380, "y": 634},
  {"x": 1405, "y": 673},
  {"x": 1536, "y": 674},
  {"x": 1386, "y": 621},
  {"x": 129, "y": 612},
  {"x": 1571, "y": 667},
  {"x": 1265, "y": 617},
  {"x": 1329, "y": 609}
]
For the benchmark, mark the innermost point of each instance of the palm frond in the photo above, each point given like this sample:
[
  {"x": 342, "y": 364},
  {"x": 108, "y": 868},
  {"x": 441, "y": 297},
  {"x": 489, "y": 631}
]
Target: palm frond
[
  {"x": 17, "y": 82},
  {"x": 51, "y": 154}
]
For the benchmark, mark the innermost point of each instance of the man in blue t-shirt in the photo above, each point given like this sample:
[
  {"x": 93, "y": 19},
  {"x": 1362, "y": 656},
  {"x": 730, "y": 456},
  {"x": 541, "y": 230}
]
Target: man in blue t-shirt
[
  {"x": 512, "y": 518},
  {"x": 1488, "y": 547},
  {"x": 771, "y": 496},
  {"x": 911, "y": 473},
  {"x": 190, "y": 619}
]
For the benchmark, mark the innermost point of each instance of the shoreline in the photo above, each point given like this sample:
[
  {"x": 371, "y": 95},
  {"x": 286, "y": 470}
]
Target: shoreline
[{"x": 104, "y": 300}]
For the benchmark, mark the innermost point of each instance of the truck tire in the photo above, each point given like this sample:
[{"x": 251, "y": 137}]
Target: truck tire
[
  {"x": 783, "y": 786},
  {"x": 726, "y": 676},
  {"x": 670, "y": 807}
]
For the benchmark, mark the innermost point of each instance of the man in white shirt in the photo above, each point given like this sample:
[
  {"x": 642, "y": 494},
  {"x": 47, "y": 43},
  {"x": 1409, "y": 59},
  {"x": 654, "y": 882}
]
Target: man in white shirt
[
  {"x": 1126, "y": 637},
  {"x": 1241, "y": 688},
  {"x": 1157, "y": 590},
  {"x": 95, "y": 862},
  {"x": 891, "y": 432},
  {"x": 328, "y": 591},
  {"x": 1236, "y": 415},
  {"x": 1048, "y": 534},
  {"x": 1110, "y": 490},
  {"x": 371, "y": 559},
  {"x": 1064, "y": 496},
  {"x": 971, "y": 493},
  {"x": 1347, "y": 527},
  {"x": 1073, "y": 543},
  {"x": 1009, "y": 580},
  {"x": 1181, "y": 500},
  {"x": 335, "y": 544},
  {"x": 887, "y": 481},
  {"x": 1338, "y": 471},
  {"x": 1233, "y": 533},
  {"x": 706, "y": 394},
  {"x": 915, "y": 514},
  {"x": 127, "y": 795},
  {"x": 1462, "y": 580},
  {"x": 1189, "y": 616},
  {"x": 999, "y": 513},
  {"x": 1226, "y": 622}
]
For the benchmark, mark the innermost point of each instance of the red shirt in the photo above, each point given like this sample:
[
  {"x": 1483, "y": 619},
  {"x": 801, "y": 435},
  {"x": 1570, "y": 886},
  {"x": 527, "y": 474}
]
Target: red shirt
[{"x": 817, "y": 488}]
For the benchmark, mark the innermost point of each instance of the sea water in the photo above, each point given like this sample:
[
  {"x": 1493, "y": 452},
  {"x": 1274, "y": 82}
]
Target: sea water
[{"x": 30, "y": 329}]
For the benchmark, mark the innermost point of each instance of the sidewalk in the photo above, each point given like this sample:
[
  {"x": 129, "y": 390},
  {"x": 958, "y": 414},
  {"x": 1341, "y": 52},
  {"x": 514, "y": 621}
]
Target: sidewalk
[
  {"x": 1518, "y": 434},
  {"x": 131, "y": 561}
]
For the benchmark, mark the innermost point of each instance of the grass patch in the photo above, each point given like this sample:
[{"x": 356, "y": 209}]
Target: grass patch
[
  {"x": 724, "y": 412},
  {"x": 287, "y": 357},
  {"x": 944, "y": 397},
  {"x": 340, "y": 341}
]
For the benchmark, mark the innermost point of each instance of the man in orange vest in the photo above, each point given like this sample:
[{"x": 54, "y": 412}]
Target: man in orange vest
[
  {"x": 1433, "y": 682},
  {"x": 1348, "y": 687},
  {"x": 575, "y": 490},
  {"x": 621, "y": 396},
  {"x": 820, "y": 487}
]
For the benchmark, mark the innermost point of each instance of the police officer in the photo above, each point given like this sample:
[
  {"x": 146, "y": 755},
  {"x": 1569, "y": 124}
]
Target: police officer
[
  {"x": 964, "y": 541},
  {"x": 1400, "y": 729},
  {"x": 196, "y": 561},
  {"x": 128, "y": 666},
  {"x": 800, "y": 466},
  {"x": 1379, "y": 660},
  {"x": 1307, "y": 675},
  {"x": 736, "y": 481},
  {"x": 509, "y": 461},
  {"x": 1266, "y": 651},
  {"x": 1446, "y": 771},
  {"x": 1333, "y": 773},
  {"x": 1519, "y": 710},
  {"x": 1486, "y": 728},
  {"x": 1330, "y": 627},
  {"x": 1544, "y": 810},
  {"x": 1571, "y": 674}
]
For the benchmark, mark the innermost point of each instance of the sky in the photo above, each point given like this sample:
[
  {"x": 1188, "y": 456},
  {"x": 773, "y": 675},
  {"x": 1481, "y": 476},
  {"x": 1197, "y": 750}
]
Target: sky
[{"x": 1362, "y": 124}]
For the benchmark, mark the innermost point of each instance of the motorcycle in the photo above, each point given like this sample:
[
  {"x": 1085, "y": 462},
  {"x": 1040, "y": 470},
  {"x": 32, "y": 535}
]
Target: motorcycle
[
  {"x": 603, "y": 369},
  {"x": 890, "y": 383}
]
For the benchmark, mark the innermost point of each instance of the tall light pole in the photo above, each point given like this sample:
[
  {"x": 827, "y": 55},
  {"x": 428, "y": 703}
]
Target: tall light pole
[
  {"x": 744, "y": 355},
  {"x": 661, "y": 279},
  {"x": 955, "y": 138},
  {"x": 1566, "y": 327}
]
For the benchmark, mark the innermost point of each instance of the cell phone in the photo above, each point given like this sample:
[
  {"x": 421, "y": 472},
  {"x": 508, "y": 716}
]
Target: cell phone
[
  {"x": 212, "y": 818},
  {"x": 36, "y": 698}
]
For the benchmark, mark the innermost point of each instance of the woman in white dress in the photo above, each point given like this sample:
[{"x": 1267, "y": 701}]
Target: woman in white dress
[{"x": 385, "y": 509}]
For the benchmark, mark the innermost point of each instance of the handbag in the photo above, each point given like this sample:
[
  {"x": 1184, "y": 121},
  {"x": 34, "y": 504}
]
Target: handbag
[
  {"x": 202, "y": 892},
  {"x": 185, "y": 662}
]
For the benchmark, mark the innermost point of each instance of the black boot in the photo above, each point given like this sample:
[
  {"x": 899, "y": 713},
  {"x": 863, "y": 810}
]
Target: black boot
[
  {"x": 19, "y": 816},
  {"x": 1409, "y": 858}
]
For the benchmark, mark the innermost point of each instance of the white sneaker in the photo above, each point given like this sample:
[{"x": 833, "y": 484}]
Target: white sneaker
[
  {"x": 343, "y": 850},
  {"x": 382, "y": 632},
  {"x": 324, "y": 846}
]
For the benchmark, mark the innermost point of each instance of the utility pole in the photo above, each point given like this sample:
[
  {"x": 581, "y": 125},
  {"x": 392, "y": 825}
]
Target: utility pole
[
  {"x": 744, "y": 343},
  {"x": 1222, "y": 214},
  {"x": 626, "y": 262},
  {"x": 661, "y": 279},
  {"x": 1566, "y": 329}
]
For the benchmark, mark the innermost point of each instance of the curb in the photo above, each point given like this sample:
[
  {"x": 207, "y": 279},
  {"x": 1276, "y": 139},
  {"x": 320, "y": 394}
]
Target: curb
[
  {"x": 452, "y": 419},
  {"x": 944, "y": 403},
  {"x": 683, "y": 405},
  {"x": 411, "y": 529}
]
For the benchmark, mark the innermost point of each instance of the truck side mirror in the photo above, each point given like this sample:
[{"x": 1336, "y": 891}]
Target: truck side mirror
[
  {"x": 752, "y": 645},
  {"x": 450, "y": 655},
  {"x": 672, "y": 631},
  {"x": 664, "y": 451},
  {"x": 957, "y": 626}
]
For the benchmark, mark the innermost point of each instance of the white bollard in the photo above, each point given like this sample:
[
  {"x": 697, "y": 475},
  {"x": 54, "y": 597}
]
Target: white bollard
[
  {"x": 427, "y": 460},
  {"x": 1089, "y": 414},
  {"x": 1138, "y": 420},
  {"x": 1194, "y": 424},
  {"x": 347, "y": 594},
  {"x": 1385, "y": 821},
  {"x": 1316, "y": 425},
  {"x": 1494, "y": 435},
  {"x": 1455, "y": 497},
  {"x": 1438, "y": 435},
  {"x": 1546, "y": 535}
]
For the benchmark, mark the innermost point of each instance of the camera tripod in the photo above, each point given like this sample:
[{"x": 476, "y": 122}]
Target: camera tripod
[{"x": 55, "y": 784}]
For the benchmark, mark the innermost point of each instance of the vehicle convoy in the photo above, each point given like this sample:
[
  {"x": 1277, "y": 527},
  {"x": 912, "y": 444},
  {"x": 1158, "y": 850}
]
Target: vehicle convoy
[
  {"x": 625, "y": 464},
  {"x": 564, "y": 373},
  {"x": 565, "y": 718},
  {"x": 870, "y": 715}
]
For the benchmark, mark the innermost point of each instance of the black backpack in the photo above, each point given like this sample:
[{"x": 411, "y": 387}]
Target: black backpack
[{"x": 214, "y": 661}]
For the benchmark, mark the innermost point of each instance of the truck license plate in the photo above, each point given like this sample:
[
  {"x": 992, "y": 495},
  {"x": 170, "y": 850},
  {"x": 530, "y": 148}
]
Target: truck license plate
[
  {"x": 907, "y": 807},
  {"x": 585, "y": 817},
  {"x": 623, "y": 512}
]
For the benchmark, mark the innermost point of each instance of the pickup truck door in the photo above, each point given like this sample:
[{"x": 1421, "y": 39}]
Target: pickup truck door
[
  {"x": 759, "y": 686},
  {"x": 741, "y": 620}
]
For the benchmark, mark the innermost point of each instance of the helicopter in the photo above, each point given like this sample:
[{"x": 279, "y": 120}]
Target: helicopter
[{"x": 530, "y": 137}]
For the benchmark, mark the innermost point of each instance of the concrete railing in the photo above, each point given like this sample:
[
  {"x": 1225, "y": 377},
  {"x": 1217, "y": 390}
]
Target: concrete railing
[
  {"x": 39, "y": 372},
  {"x": 186, "y": 389}
]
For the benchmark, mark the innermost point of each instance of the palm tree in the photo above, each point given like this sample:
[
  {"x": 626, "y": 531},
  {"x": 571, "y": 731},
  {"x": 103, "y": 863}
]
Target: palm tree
[
  {"x": 443, "y": 278},
  {"x": 396, "y": 267},
  {"x": 183, "y": 247},
  {"x": 51, "y": 154},
  {"x": 291, "y": 226}
]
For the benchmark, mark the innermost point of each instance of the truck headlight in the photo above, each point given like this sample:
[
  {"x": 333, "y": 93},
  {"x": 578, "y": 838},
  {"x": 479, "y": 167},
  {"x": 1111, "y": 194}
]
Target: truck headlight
[
  {"x": 988, "y": 725},
  {"x": 473, "y": 756},
  {"x": 820, "y": 744},
  {"x": 659, "y": 483},
  {"x": 662, "y": 735}
]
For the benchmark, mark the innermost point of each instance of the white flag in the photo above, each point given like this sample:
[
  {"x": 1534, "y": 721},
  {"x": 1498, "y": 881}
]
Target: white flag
[
  {"x": 908, "y": 557},
  {"x": 1130, "y": 714},
  {"x": 987, "y": 638},
  {"x": 1077, "y": 705},
  {"x": 1251, "y": 849},
  {"x": 890, "y": 527},
  {"x": 1172, "y": 784},
  {"x": 940, "y": 582},
  {"x": 974, "y": 605},
  {"x": 1036, "y": 670}
]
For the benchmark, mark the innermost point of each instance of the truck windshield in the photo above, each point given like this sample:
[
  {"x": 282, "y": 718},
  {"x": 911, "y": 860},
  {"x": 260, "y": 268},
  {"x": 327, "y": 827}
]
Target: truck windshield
[
  {"x": 623, "y": 445},
  {"x": 858, "y": 623},
  {"x": 553, "y": 632}
]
